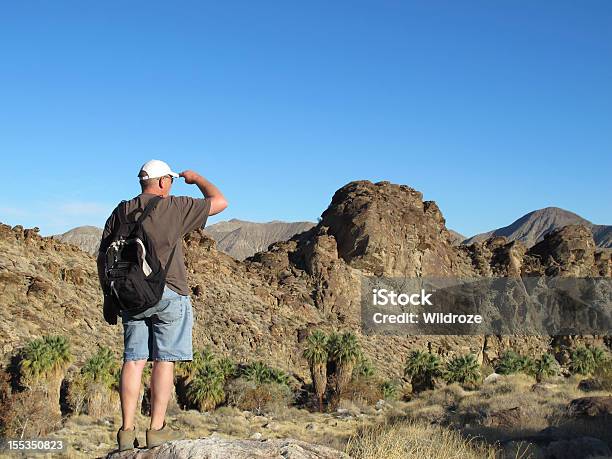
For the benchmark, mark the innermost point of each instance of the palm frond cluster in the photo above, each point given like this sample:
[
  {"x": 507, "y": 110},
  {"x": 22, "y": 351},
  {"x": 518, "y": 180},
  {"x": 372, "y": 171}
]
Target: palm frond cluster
[{"x": 206, "y": 376}]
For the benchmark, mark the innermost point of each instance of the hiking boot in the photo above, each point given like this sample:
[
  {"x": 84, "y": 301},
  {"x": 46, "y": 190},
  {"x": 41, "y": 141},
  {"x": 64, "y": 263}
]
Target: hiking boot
[
  {"x": 126, "y": 439},
  {"x": 157, "y": 437}
]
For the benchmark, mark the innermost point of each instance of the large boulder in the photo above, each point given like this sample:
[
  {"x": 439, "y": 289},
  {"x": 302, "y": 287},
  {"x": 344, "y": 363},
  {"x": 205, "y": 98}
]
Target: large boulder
[
  {"x": 590, "y": 407},
  {"x": 220, "y": 448}
]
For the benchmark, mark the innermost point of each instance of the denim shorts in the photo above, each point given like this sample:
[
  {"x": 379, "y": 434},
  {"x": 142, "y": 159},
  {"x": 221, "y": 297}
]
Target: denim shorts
[{"x": 163, "y": 332}]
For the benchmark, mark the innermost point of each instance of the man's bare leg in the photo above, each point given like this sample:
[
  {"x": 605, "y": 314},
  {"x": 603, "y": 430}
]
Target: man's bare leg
[
  {"x": 131, "y": 374},
  {"x": 162, "y": 384}
]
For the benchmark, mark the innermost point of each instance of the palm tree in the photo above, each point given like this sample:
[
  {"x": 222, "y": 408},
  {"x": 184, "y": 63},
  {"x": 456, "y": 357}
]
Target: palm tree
[
  {"x": 227, "y": 367},
  {"x": 98, "y": 382},
  {"x": 422, "y": 368},
  {"x": 463, "y": 369},
  {"x": 101, "y": 368},
  {"x": 188, "y": 369},
  {"x": 545, "y": 367},
  {"x": 44, "y": 363},
  {"x": 206, "y": 389},
  {"x": 316, "y": 353},
  {"x": 582, "y": 361},
  {"x": 257, "y": 372},
  {"x": 345, "y": 353}
]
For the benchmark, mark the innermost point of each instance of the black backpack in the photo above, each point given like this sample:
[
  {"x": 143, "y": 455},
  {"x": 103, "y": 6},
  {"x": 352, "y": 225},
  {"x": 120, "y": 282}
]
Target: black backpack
[{"x": 134, "y": 276}]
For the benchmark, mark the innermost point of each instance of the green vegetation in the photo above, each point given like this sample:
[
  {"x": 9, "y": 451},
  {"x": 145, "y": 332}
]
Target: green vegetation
[
  {"x": 463, "y": 369},
  {"x": 545, "y": 367},
  {"x": 345, "y": 352},
  {"x": 102, "y": 368},
  {"x": 201, "y": 381},
  {"x": 44, "y": 358},
  {"x": 511, "y": 362},
  {"x": 94, "y": 389},
  {"x": 422, "y": 368},
  {"x": 205, "y": 390},
  {"x": 363, "y": 368},
  {"x": 586, "y": 360},
  {"x": 389, "y": 390},
  {"x": 316, "y": 353},
  {"x": 260, "y": 373}
]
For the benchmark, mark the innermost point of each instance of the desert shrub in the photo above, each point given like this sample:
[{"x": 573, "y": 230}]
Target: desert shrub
[
  {"x": 363, "y": 368},
  {"x": 600, "y": 356},
  {"x": 587, "y": 360},
  {"x": 363, "y": 391},
  {"x": 462, "y": 369},
  {"x": 26, "y": 414},
  {"x": 414, "y": 440},
  {"x": 511, "y": 362},
  {"x": 389, "y": 390},
  {"x": 603, "y": 373},
  {"x": 260, "y": 398},
  {"x": 422, "y": 368}
]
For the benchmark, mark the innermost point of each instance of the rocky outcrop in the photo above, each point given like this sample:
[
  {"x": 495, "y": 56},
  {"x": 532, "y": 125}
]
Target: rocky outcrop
[
  {"x": 219, "y": 448},
  {"x": 568, "y": 252},
  {"x": 386, "y": 229}
]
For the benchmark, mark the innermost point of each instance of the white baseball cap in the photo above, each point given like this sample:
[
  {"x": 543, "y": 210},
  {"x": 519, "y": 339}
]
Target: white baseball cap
[{"x": 155, "y": 169}]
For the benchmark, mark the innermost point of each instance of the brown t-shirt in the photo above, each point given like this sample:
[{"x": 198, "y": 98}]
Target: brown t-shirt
[{"x": 172, "y": 218}]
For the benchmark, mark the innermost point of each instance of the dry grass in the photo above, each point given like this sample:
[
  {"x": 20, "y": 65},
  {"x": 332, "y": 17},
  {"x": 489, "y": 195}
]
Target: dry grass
[
  {"x": 26, "y": 414},
  {"x": 406, "y": 440}
]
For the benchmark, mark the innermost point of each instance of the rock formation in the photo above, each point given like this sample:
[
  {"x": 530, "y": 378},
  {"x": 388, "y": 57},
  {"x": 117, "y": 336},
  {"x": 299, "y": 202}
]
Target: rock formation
[{"x": 264, "y": 307}]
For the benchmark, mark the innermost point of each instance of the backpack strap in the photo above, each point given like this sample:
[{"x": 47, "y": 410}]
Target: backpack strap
[
  {"x": 121, "y": 212},
  {"x": 148, "y": 208}
]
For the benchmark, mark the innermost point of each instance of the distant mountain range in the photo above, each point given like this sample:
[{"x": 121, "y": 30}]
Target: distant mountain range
[
  {"x": 532, "y": 227},
  {"x": 242, "y": 239},
  {"x": 87, "y": 238},
  {"x": 237, "y": 238}
]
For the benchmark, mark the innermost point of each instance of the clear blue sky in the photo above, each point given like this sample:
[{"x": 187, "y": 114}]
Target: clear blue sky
[{"x": 492, "y": 109}]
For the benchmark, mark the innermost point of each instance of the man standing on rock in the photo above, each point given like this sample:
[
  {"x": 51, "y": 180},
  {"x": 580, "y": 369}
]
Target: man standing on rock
[{"x": 162, "y": 333}]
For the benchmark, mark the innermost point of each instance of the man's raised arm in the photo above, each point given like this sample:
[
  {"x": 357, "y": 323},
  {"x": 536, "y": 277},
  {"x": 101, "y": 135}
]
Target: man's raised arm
[{"x": 218, "y": 203}]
